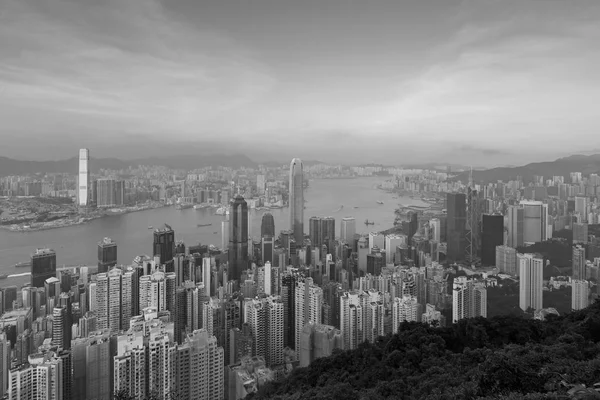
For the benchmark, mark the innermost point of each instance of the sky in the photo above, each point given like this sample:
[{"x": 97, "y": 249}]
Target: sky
[{"x": 473, "y": 82}]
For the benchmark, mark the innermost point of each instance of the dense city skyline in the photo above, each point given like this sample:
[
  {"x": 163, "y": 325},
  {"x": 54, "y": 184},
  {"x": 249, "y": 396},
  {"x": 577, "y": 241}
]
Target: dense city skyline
[{"x": 479, "y": 79}]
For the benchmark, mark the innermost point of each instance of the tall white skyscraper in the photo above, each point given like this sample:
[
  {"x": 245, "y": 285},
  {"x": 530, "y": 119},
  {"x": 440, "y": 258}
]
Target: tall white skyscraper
[
  {"x": 391, "y": 242},
  {"x": 531, "y": 280},
  {"x": 436, "y": 229},
  {"x": 580, "y": 295},
  {"x": 296, "y": 200},
  {"x": 83, "y": 189},
  {"x": 348, "y": 230}
]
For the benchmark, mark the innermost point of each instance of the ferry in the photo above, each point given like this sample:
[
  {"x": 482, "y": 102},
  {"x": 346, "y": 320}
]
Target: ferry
[
  {"x": 201, "y": 206},
  {"x": 380, "y": 202},
  {"x": 201, "y": 225},
  {"x": 367, "y": 222},
  {"x": 23, "y": 264}
]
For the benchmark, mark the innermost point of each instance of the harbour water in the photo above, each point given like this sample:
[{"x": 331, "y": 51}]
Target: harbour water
[{"x": 77, "y": 245}]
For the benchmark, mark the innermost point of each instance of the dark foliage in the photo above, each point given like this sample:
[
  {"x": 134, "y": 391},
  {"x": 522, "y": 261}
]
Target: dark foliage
[{"x": 504, "y": 357}]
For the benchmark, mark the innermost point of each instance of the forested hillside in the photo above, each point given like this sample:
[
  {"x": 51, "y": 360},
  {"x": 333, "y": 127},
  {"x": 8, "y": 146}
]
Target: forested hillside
[{"x": 504, "y": 357}]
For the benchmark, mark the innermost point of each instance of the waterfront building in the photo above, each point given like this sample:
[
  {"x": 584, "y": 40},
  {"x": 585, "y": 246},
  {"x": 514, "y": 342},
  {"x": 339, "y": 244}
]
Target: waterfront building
[
  {"x": 163, "y": 246},
  {"x": 348, "y": 231},
  {"x": 107, "y": 254},
  {"x": 43, "y": 266}
]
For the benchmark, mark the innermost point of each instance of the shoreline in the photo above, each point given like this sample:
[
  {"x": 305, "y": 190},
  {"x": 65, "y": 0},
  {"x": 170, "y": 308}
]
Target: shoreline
[{"x": 85, "y": 220}]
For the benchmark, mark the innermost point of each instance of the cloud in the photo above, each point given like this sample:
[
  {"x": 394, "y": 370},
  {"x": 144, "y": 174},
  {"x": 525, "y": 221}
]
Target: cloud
[{"x": 128, "y": 65}]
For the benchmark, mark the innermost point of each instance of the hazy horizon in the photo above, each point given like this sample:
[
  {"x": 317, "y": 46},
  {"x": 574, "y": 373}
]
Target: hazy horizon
[{"x": 488, "y": 81}]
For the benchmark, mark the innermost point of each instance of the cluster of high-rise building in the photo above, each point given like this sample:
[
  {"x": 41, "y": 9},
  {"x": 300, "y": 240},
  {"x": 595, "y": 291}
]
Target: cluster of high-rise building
[{"x": 197, "y": 322}]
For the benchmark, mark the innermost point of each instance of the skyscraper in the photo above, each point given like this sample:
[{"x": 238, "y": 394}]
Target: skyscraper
[
  {"x": 297, "y": 200},
  {"x": 238, "y": 238},
  {"x": 267, "y": 226},
  {"x": 107, "y": 254},
  {"x": 535, "y": 221},
  {"x": 578, "y": 262},
  {"x": 43, "y": 266},
  {"x": 436, "y": 227},
  {"x": 515, "y": 226},
  {"x": 506, "y": 260},
  {"x": 580, "y": 294},
  {"x": 492, "y": 236},
  {"x": 531, "y": 280},
  {"x": 456, "y": 226},
  {"x": 83, "y": 189},
  {"x": 308, "y": 307},
  {"x": 348, "y": 230},
  {"x": 163, "y": 246},
  {"x": 469, "y": 299}
]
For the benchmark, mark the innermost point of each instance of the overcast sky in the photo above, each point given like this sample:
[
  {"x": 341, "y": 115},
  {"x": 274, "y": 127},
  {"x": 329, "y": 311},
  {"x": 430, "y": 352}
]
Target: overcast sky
[{"x": 503, "y": 82}]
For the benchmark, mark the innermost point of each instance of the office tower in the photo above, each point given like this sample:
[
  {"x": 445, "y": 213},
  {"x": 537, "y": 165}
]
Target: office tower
[
  {"x": 506, "y": 260},
  {"x": 288, "y": 295},
  {"x": 376, "y": 239},
  {"x": 265, "y": 318},
  {"x": 515, "y": 226},
  {"x": 238, "y": 238},
  {"x": 580, "y": 294},
  {"x": 531, "y": 280},
  {"x": 348, "y": 230},
  {"x": 296, "y": 200},
  {"x": 267, "y": 225},
  {"x": 267, "y": 248},
  {"x": 4, "y": 363},
  {"x": 317, "y": 341},
  {"x": 580, "y": 232},
  {"x": 83, "y": 185},
  {"x": 492, "y": 236},
  {"x": 535, "y": 221},
  {"x": 473, "y": 222},
  {"x": 43, "y": 266},
  {"x": 456, "y": 226},
  {"x": 107, "y": 254},
  {"x": 200, "y": 368},
  {"x": 308, "y": 307},
  {"x": 163, "y": 246},
  {"x": 581, "y": 207},
  {"x": 375, "y": 261},
  {"x": 436, "y": 226},
  {"x": 578, "y": 262},
  {"x": 391, "y": 242},
  {"x": 405, "y": 308},
  {"x": 469, "y": 299}
]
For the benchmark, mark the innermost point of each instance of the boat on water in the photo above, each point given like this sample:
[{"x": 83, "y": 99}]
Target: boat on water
[
  {"x": 379, "y": 202},
  {"x": 150, "y": 227},
  {"x": 183, "y": 206},
  {"x": 215, "y": 232},
  {"x": 367, "y": 222},
  {"x": 201, "y": 206},
  {"x": 3, "y": 276},
  {"x": 23, "y": 264},
  {"x": 201, "y": 225}
]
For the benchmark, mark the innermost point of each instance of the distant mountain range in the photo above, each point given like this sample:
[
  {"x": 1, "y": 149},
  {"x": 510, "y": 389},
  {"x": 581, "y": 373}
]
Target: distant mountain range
[
  {"x": 586, "y": 164},
  {"x": 9, "y": 166}
]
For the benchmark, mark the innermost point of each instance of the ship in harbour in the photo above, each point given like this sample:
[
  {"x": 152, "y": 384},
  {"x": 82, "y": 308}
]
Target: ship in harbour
[
  {"x": 23, "y": 264},
  {"x": 367, "y": 222},
  {"x": 202, "y": 225},
  {"x": 183, "y": 206},
  {"x": 222, "y": 211}
]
